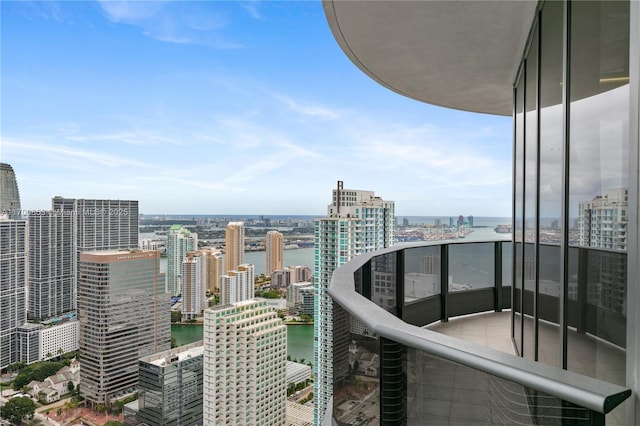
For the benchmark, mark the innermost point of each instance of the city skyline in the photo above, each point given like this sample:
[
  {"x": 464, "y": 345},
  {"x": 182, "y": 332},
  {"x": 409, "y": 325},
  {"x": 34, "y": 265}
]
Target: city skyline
[{"x": 146, "y": 88}]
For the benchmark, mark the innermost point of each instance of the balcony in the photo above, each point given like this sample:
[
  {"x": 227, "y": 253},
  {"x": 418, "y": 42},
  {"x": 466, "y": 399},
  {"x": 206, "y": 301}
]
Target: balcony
[{"x": 394, "y": 363}]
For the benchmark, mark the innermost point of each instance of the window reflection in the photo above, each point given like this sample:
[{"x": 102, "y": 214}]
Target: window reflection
[{"x": 422, "y": 273}]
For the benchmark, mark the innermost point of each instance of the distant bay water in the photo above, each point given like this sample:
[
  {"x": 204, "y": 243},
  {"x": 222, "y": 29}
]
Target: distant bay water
[
  {"x": 427, "y": 220},
  {"x": 299, "y": 338}
]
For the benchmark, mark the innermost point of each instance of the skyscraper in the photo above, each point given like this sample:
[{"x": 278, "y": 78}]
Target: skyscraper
[
  {"x": 245, "y": 355},
  {"x": 234, "y": 245},
  {"x": 357, "y": 222},
  {"x": 13, "y": 275},
  {"x": 237, "y": 285},
  {"x": 602, "y": 221},
  {"x": 124, "y": 316},
  {"x": 99, "y": 225},
  {"x": 52, "y": 256},
  {"x": 215, "y": 268},
  {"x": 102, "y": 224},
  {"x": 179, "y": 241},
  {"x": 9, "y": 194},
  {"x": 193, "y": 280},
  {"x": 274, "y": 251}
]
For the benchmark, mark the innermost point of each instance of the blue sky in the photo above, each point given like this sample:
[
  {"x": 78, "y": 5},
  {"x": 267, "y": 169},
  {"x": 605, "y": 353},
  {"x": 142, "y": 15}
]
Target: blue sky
[{"x": 213, "y": 107}]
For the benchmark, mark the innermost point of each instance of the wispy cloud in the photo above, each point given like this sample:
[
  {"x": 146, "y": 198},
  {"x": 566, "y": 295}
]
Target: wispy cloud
[
  {"x": 307, "y": 110},
  {"x": 44, "y": 10},
  {"x": 131, "y": 138},
  {"x": 69, "y": 157},
  {"x": 174, "y": 22},
  {"x": 252, "y": 9}
]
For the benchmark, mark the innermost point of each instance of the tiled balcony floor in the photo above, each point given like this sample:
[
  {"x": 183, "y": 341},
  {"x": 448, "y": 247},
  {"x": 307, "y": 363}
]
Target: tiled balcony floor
[
  {"x": 587, "y": 355},
  {"x": 492, "y": 329}
]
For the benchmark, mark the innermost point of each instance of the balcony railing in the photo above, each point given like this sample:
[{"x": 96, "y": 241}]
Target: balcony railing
[{"x": 390, "y": 370}]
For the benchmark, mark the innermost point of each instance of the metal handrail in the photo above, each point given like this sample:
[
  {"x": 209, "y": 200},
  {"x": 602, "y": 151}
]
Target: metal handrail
[{"x": 594, "y": 394}]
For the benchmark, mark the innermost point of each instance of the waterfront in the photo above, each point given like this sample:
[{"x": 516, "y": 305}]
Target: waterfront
[
  {"x": 294, "y": 257},
  {"x": 299, "y": 338}
]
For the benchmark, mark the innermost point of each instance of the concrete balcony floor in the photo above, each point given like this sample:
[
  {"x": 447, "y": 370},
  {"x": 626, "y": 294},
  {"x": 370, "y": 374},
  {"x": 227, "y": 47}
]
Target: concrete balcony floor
[{"x": 586, "y": 354}]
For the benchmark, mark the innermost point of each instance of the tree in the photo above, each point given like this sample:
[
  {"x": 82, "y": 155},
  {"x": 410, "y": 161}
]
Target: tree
[
  {"x": 174, "y": 343},
  {"x": 18, "y": 409},
  {"x": 70, "y": 386},
  {"x": 37, "y": 371},
  {"x": 176, "y": 316},
  {"x": 16, "y": 366}
]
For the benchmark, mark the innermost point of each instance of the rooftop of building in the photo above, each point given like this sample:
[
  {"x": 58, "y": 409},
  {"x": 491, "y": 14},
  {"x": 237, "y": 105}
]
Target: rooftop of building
[
  {"x": 178, "y": 354},
  {"x": 119, "y": 255},
  {"x": 294, "y": 367}
]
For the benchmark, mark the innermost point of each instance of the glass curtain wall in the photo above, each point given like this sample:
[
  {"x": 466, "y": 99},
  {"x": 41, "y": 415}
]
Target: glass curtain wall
[{"x": 571, "y": 149}]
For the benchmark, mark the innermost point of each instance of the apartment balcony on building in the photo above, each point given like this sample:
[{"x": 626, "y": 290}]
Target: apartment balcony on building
[
  {"x": 438, "y": 346},
  {"x": 554, "y": 336}
]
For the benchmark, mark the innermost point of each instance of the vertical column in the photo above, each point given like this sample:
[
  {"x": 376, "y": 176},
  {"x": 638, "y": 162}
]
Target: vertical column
[
  {"x": 393, "y": 400},
  {"x": 633, "y": 291},
  {"x": 444, "y": 281}
]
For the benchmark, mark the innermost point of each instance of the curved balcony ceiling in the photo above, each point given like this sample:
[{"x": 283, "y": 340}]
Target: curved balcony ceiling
[{"x": 456, "y": 54}]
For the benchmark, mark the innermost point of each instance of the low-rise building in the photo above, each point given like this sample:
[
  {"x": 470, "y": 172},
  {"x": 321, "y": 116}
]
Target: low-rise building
[
  {"x": 283, "y": 278},
  {"x": 300, "y": 298},
  {"x": 297, "y": 373},
  {"x": 51, "y": 388},
  {"x": 170, "y": 387}
]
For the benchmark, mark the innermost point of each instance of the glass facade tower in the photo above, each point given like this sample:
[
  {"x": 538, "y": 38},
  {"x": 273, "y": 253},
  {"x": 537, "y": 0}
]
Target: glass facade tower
[{"x": 124, "y": 315}]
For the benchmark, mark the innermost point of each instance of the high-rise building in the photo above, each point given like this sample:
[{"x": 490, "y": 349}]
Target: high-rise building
[
  {"x": 170, "y": 387},
  {"x": 52, "y": 272},
  {"x": 234, "y": 240},
  {"x": 102, "y": 224},
  {"x": 124, "y": 315},
  {"x": 237, "y": 285},
  {"x": 603, "y": 221},
  {"x": 13, "y": 281},
  {"x": 245, "y": 355},
  {"x": 357, "y": 222},
  {"x": 274, "y": 252},
  {"x": 99, "y": 225},
  {"x": 179, "y": 241},
  {"x": 9, "y": 194},
  {"x": 194, "y": 288},
  {"x": 215, "y": 268}
]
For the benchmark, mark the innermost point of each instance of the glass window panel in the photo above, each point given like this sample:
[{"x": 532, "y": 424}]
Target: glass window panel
[
  {"x": 549, "y": 333},
  {"x": 383, "y": 281},
  {"x": 507, "y": 264},
  {"x": 361, "y": 383},
  {"x": 518, "y": 214},
  {"x": 599, "y": 179},
  {"x": 471, "y": 266},
  {"x": 551, "y": 178},
  {"x": 422, "y": 271},
  {"x": 444, "y": 392},
  {"x": 530, "y": 197},
  {"x": 551, "y": 118}
]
